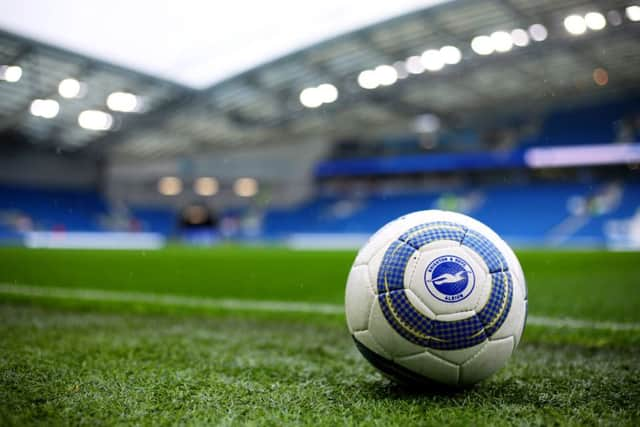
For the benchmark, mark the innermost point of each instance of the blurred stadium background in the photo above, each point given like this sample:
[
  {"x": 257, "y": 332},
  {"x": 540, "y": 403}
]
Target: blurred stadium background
[
  {"x": 523, "y": 114},
  {"x": 250, "y": 128}
]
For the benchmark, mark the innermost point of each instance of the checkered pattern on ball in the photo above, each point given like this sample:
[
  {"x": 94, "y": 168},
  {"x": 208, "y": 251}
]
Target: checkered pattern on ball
[
  {"x": 410, "y": 323},
  {"x": 415, "y": 326},
  {"x": 457, "y": 334},
  {"x": 394, "y": 262},
  {"x": 407, "y": 320},
  {"x": 426, "y": 233},
  {"x": 495, "y": 311},
  {"x": 482, "y": 246}
]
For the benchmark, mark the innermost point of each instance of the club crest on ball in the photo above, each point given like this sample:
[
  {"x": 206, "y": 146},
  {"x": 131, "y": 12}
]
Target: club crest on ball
[{"x": 449, "y": 278}]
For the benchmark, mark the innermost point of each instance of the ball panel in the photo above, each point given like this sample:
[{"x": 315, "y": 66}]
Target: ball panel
[
  {"x": 431, "y": 366},
  {"x": 494, "y": 313},
  {"x": 387, "y": 337},
  {"x": 487, "y": 361},
  {"x": 374, "y": 265},
  {"x": 366, "y": 339},
  {"x": 439, "y": 244},
  {"x": 452, "y": 317},
  {"x": 358, "y": 299},
  {"x": 379, "y": 239},
  {"x": 419, "y": 305},
  {"x": 516, "y": 269},
  {"x": 459, "y": 357},
  {"x": 514, "y": 322},
  {"x": 391, "y": 369},
  {"x": 421, "y": 281},
  {"x": 392, "y": 231}
]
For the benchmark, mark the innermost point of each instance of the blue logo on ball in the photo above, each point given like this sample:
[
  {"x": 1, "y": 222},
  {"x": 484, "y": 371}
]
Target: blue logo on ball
[{"x": 449, "y": 278}]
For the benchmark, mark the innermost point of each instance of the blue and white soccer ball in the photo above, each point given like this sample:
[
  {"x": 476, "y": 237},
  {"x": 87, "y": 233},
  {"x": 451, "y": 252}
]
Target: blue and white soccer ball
[{"x": 436, "y": 296}]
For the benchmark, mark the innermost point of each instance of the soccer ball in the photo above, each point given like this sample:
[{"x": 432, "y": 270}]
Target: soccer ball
[{"x": 436, "y": 297}]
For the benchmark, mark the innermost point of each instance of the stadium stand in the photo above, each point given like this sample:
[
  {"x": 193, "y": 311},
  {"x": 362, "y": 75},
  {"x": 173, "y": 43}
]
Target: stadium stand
[
  {"x": 501, "y": 207},
  {"x": 35, "y": 209},
  {"x": 557, "y": 213}
]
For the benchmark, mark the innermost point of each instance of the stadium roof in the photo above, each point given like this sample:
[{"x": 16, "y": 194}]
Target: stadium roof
[
  {"x": 192, "y": 42},
  {"x": 507, "y": 56}
]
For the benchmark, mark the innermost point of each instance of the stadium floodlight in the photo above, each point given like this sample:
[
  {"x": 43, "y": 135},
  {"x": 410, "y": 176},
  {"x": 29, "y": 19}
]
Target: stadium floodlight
[
  {"x": 245, "y": 187},
  {"x": 426, "y": 123},
  {"x": 45, "y": 108},
  {"x": 414, "y": 65},
  {"x": 633, "y": 13},
  {"x": 206, "y": 186},
  {"x": 432, "y": 60},
  {"x": 575, "y": 25},
  {"x": 368, "y": 79},
  {"x": 401, "y": 69},
  {"x": 520, "y": 37},
  {"x": 170, "y": 186},
  {"x": 327, "y": 92},
  {"x": 482, "y": 45},
  {"x": 538, "y": 32},
  {"x": 600, "y": 76},
  {"x": 386, "y": 75},
  {"x": 10, "y": 73},
  {"x": 614, "y": 18},
  {"x": 124, "y": 102},
  {"x": 595, "y": 21},
  {"x": 70, "y": 88},
  {"x": 450, "y": 55},
  {"x": 95, "y": 120},
  {"x": 310, "y": 97},
  {"x": 501, "y": 41}
]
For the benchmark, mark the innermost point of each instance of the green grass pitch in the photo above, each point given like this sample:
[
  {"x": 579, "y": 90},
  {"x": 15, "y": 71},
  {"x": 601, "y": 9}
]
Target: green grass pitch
[{"x": 67, "y": 360}]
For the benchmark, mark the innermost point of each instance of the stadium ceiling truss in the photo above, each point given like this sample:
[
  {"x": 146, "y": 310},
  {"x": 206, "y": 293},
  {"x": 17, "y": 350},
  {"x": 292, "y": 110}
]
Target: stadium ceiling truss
[{"x": 262, "y": 105}]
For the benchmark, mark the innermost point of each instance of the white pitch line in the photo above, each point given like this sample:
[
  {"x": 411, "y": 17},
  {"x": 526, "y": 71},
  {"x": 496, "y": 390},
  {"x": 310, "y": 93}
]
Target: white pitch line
[
  {"x": 255, "y": 305},
  {"x": 168, "y": 299}
]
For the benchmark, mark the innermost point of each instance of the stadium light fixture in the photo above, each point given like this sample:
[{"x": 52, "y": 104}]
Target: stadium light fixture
[
  {"x": 71, "y": 88},
  {"x": 414, "y": 65},
  {"x": 245, "y": 187},
  {"x": 451, "y": 55},
  {"x": 482, "y": 45},
  {"x": 310, "y": 98},
  {"x": 575, "y": 25},
  {"x": 206, "y": 186},
  {"x": 10, "y": 73},
  {"x": 614, "y": 18},
  {"x": 401, "y": 69},
  {"x": 328, "y": 93},
  {"x": 426, "y": 123},
  {"x": 95, "y": 120},
  {"x": 633, "y": 13},
  {"x": 170, "y": 186},
  {"x": 538, "y": 32},
  {"x": 520, "y": 37},
  {"x": 45, "y": 108},
  {"x": 600, "y": 76},
  {"x": 313, "y": 97},
  {"x": 386, "y": 75},
  {"x": 595, "y": 21},
  {"x": 501, "y": 41},
  {"x": 124, "y": 102},
  {"x": 368, "y": 79},
  {"x": 432, "y": 60}
]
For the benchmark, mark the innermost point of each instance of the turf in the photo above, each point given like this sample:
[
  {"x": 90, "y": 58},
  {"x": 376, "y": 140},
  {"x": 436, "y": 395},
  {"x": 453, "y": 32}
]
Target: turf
[
  {"x": 84, "y": 362},
  {"x": 594, "y": 285}
]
